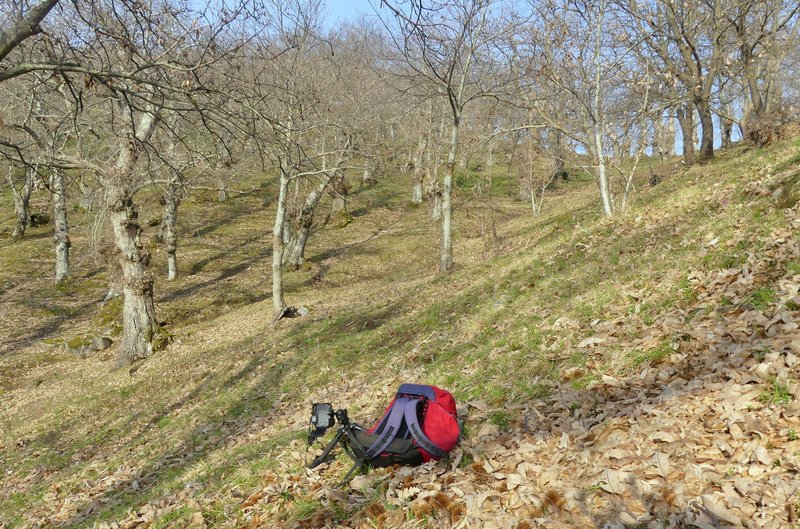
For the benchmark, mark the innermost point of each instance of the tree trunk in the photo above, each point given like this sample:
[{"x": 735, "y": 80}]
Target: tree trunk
[
  {"x": 491, "y": 241},
  {"x": 707, "y": 125},
  {"x": 22, "y": 199},
  {"x": 88, "y": 194},
  {"x": 139, "y": 324},
  {"x": 513, "y": 151},
  {"x": 435, "y": 196},
  {"x": 597, "y": 118},
  {"x": 669, "y": 137},
  {"x": 295, "y": 257},
  {"x": 597, "y": 121},
  {"x": 602, "y": 177},
  {"x": 287, "y": 232},
  {"x": 339, "y": 203},
  {"x": 560, "y": 169},
  {"x": 725, "y": 121},
  {"x": 684, "y": 115},
  {"x": 446, "y": 260},
  {"x": 170, "y": 228},
  {"x": 61, "y": 235},
  {"x": 557, "y": 146},
  {"x": 756, "y": 104},
  {"x": 138, "y": 314},
  {"x": 435, "y": 186},
  {"x": 657, "y": 144},
  {"x": 278, "y": 303},
  {"x": 419, "y": 173},
  {"x": 223, "y": 189},
  {"x": 436, "y": 205},
  {"x": 524, "y": 188},
  {"x": 416, "y": 190},
  {"x": 367, "y": 177},
  {"x": 338, "y": 190},
  {"x": 727, "y": 133}
]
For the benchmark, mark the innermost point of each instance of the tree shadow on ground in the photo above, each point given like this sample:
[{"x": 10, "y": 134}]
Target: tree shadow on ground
[
  {"x": 195, "y": 444},
  {"x": 52, "y": 326}
]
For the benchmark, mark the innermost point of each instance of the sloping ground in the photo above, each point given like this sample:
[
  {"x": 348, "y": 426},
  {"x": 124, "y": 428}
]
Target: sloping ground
[
  {"x": 641, "y": 371},
  {"x": 704, "y": 435}
]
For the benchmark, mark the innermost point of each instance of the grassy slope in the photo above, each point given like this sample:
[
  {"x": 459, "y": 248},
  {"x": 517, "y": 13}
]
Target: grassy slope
[{"x": 200, "y": 427}]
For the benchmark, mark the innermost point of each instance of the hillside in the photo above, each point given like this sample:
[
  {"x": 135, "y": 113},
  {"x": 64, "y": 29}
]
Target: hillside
[{"x": 641, "y": 371}]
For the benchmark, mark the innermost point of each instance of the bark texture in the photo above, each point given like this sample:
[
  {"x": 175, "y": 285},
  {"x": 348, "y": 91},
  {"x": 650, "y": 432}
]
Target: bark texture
[
  {"x": 446, "y": 259},
  {"x": 61, "y": 240},
  {"x": 419, "y": 173},
  {"x": 223, "y": 189},
  {"x": 138, "y": 314},
  {"x": 339, "y": 191},
  {"x": 368, "y": 177},
  {"x": 170, "y": 227},
  {"x": 707, "y": 129},
  {"x": 278, "y": 303},
  {"x": 22, "y": 200},
  {"x": 15, "y": 30},
  {"x": 597, "y": 122},
  {"x": 141, "y": 333},
  {"x": 295, "y": 257}
]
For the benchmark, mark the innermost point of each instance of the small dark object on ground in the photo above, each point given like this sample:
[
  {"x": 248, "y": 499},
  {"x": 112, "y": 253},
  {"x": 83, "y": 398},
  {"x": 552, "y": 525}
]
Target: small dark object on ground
[
  {"x": 39, "y": 219},
  {"x": 101, "y": 343},
  {"x": 291, "y": 312},
  {"x": 654, "y": 178}
]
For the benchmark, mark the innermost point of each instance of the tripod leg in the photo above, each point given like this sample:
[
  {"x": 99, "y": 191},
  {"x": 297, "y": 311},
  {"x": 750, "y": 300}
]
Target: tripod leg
[
  {"x": 325, "y": 453},
  {"x": 359, "y": 451},
  {"x": 350, "y": 473}
]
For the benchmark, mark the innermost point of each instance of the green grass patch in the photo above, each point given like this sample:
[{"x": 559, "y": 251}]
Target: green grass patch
[
  {"x": 762, "y": 297},
  {"x": 584, "y": 381},
  {"x": 652, "y": 356},
  {"x": 777, "y": 393},
  {"x": 501, "y": 419}
]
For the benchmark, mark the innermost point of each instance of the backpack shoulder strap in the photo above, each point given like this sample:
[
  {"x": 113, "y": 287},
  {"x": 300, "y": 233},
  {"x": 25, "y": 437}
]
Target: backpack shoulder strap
[
  {"x": 388, "y": 427},
  {"x": 412, "y": 421}
]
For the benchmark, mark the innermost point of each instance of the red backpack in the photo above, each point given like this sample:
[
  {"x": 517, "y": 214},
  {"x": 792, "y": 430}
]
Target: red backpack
[{"x": 420, "y": 424}]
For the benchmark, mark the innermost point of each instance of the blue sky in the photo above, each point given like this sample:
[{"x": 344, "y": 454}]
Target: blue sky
[{"x": 337, "y": 10}]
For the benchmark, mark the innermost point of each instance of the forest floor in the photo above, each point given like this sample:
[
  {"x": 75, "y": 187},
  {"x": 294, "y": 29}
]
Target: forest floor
[{"x": 640, "y": 371}]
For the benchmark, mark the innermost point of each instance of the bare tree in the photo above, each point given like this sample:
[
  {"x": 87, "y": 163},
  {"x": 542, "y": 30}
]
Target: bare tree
[
  {"x": 594, "y": 92},
  {"x": 289, "y": 84},
  {"x": 449, "y": 46},
  {"x": 762, "y": 33},
  {"x": 123, "y": 66},
  {"x": 686, "y": 39}
]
